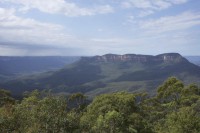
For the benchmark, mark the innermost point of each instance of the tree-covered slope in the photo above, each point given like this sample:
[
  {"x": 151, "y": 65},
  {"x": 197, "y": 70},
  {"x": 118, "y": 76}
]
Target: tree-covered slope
[
  {"x": 111, "y": 73},
  {"x": 175, "y": 108}
]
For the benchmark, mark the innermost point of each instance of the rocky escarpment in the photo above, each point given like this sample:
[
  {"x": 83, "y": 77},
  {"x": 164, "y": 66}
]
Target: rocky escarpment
[{"x": 168, "y": 57}]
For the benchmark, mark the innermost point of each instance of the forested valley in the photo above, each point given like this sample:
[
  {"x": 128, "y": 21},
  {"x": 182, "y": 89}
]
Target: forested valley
[{"x": 175, "y": 108}]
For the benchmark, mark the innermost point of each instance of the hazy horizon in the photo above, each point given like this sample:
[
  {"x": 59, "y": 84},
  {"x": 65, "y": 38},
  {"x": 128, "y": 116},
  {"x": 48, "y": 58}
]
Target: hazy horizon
[
  {"x": 88, "y": 28},
  {"x": 86, "y": 55}
]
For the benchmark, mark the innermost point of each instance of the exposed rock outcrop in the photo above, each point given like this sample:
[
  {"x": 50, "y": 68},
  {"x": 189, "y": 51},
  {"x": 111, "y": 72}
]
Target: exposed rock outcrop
[{"x": 168, "y": 57}]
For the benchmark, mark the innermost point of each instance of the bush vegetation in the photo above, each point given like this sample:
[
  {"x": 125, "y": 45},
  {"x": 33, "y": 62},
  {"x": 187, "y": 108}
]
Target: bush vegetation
[{"x": 174, "y": 109}]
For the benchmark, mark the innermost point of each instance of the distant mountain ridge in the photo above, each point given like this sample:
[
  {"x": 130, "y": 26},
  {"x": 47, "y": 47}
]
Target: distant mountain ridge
[
  {"x": 12, "y": 66},
  {"x": 134, "y": 58},
  {"x": 110, "y": 73},
  {"x": 194, "y": 59}
]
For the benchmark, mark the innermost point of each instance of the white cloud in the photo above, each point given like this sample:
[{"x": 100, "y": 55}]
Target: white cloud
[
  {"x": 148, "y": 7},
  {"x": 151, "y": 4},
  {"x": 139, "y": 35},
  {"x": 33, "y": 33},
  {"x": 171, "y": 23},
  {"x": 160, "y": 4},
  {"x": 60, "y": 7},
  {"x": 10, "y": 20},
  {"x": 130, "y": 19},
  {"x": 145, "y": 13},
  {"x": 17, "y": 29},
  {"x": 144, "y": 4},
  {"x": 177, "y": 1}
]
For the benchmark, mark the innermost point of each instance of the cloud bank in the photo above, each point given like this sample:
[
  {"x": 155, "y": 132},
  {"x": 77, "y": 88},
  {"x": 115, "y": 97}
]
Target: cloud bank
[{"x": 98, "y": 27}]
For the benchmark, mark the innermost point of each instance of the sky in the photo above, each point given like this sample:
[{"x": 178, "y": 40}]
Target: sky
[{"x": 97, "y": 27}]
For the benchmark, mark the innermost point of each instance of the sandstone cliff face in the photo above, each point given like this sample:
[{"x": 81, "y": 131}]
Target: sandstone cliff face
[{"x": 169, "y": 57}]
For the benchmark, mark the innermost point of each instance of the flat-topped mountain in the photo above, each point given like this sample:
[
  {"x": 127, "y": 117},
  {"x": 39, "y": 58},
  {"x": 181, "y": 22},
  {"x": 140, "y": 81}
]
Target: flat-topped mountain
[
  {"x": 168, "y": 57},
  {"x": 111, "y": 73}
]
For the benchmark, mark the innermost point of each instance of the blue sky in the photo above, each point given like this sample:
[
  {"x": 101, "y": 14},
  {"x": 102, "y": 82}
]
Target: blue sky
[{"x": 96, "y": 27}]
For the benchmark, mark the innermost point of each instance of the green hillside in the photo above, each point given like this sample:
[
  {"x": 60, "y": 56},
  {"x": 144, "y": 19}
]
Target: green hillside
[{"x": 111, "y": 73}]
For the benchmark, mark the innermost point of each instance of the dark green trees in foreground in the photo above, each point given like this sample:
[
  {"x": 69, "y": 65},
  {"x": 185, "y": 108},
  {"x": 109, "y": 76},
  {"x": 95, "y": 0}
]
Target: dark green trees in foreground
[{"x": 174, "y": 109}]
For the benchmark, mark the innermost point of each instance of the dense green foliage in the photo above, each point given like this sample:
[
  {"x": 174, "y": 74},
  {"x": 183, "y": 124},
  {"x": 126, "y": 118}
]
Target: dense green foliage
[{"x": 174, "y": 109}]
